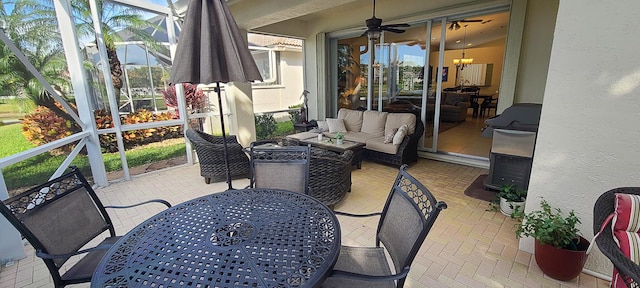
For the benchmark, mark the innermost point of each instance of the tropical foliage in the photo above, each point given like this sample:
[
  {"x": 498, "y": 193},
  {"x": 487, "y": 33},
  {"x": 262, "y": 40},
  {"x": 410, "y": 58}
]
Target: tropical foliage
[
  {"x": 194, "y": 97},
  {"x": 36, "y": 37},
  {"x": 44, "y": 126}
]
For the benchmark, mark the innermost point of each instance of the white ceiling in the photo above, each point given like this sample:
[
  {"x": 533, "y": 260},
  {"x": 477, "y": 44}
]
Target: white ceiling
[{"x": 254, "y": 14}]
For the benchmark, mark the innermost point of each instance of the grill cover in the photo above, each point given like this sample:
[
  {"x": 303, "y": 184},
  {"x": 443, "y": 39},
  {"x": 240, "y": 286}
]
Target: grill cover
[{"x": 521, "y": 116}]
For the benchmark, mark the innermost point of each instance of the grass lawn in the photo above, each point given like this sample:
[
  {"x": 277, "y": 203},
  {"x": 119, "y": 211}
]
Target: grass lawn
[
  {"x": 13, "y": 141},
  {"x": 38, "y": 169},
  {"x": 10, "y": 110}
]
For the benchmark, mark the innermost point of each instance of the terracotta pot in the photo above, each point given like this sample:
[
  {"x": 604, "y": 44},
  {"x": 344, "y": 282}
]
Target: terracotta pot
[{"x": 559, "y": 263}]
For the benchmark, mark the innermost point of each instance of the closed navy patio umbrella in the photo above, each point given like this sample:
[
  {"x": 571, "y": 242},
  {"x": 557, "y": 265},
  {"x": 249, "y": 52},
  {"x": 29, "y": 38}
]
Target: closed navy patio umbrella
[{"x": 211, "y": 49}]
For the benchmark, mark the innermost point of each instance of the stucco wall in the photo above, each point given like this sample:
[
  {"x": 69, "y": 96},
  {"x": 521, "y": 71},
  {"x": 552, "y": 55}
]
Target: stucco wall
[
  {"x": 536, "y": 46},
  {"x": 287, "y": 93},
  {"x": 587, "y": 143}
]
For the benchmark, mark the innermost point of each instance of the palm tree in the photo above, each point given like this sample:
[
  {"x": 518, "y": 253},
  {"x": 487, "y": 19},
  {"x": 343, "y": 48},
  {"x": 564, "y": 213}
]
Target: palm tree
[
  {"x": 38, "y": 40},
  {"x": 115, "y": 19}
]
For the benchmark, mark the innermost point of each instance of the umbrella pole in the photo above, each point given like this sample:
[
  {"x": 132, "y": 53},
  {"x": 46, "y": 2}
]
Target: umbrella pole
[{"x": 224, "y": 136}]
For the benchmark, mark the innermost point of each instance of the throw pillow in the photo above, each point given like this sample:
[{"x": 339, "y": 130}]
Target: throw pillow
[
  {"x": 399, "y": 136},
  {"x": 626, "y": 225},
  {"x": 388, "y": 137},
  {"x": 336, "y": 125},
  {"x": 323, "y": 126}
]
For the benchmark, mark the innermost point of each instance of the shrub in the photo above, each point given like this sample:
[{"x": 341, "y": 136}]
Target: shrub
[
  {"x": 265, "y": 126},
  {"x": 44, "y": 126},
  {"x": 195, "y": 98},
  {"x": 295, "y": 115}
]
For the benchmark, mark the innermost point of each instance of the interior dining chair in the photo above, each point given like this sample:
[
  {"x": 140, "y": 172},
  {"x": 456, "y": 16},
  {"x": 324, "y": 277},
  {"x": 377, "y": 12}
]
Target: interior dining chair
[
  {"x": 407, "y": 217},
  {"x": 280, "y": 167},
  {"x": 60, "y": 217},
  {"x": 604, "y": 226},
  {"x": 488, "y": 104}
]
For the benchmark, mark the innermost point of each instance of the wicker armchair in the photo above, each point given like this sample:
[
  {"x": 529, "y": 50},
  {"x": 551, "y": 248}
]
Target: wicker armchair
[
  {"x": 407, "y": 151},
  {"x": 280, "y": 167},
  {"x": 329, "y": 173},
  {"x": 210, "y": 151},
  {"x": 604, "y": 207}
]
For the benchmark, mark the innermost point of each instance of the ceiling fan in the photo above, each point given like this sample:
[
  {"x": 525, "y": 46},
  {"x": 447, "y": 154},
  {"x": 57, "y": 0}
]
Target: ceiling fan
[
  {"x": 456, "y": 24},
  {"x": 375, "y": 27}
]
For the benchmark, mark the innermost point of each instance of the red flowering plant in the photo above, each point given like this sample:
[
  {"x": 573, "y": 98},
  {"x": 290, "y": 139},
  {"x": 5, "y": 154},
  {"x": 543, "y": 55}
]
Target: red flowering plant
[{"x": 195, "y": 98}]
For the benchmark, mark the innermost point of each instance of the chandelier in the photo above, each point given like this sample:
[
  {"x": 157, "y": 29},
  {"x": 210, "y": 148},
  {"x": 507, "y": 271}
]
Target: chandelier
[{"x": 462, "y": 62}]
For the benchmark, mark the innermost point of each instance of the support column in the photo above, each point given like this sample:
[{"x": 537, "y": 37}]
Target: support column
[
  {"x": 241, "y": 118},
  {"x": 81, "y": 89},
  {"x": 240, "y": 100},
  {"x": 11, "y": 247}
]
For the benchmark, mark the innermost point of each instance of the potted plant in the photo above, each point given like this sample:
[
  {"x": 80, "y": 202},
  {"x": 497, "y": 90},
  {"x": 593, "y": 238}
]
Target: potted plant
[
  {"x": 339, "y": 138},
  {"x": 560, "y": 251},
  {"x": 511, "y": 198}
]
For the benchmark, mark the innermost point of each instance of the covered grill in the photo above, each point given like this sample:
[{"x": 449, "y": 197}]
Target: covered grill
[{"x": 514, "y": 136}]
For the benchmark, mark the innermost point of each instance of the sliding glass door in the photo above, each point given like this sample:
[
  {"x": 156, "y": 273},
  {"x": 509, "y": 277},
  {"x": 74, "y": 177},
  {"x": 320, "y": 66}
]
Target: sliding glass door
[{"x": 418, "y": 71}]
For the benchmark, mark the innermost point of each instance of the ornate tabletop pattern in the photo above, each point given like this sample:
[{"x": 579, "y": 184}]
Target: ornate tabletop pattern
[{"x": 245, "y": 238}]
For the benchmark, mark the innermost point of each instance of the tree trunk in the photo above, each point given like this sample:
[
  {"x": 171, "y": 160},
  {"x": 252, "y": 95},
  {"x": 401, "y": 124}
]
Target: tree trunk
[{"x": 116, "y": 72}]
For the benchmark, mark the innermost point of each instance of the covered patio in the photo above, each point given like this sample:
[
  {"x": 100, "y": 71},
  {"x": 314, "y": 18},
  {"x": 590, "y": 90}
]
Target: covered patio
[
  {"x": 467, "y": 247},
  {"x": 578, "y": 156}
]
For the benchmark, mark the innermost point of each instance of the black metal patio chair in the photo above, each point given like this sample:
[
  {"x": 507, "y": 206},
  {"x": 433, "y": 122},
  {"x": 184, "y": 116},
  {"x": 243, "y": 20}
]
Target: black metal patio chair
[
  {"x": 60, "y": 217},
  {"x": 603, "y": 208},
  {"x": 407, "y": 217},
  {"x": 280, "y": 167}
]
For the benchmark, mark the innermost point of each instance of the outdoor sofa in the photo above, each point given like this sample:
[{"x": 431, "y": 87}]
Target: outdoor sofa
[{"x": 373, "y": 128}]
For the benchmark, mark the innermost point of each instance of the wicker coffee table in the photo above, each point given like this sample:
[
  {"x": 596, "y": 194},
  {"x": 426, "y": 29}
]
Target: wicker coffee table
[{"x": 331, "y": 145}]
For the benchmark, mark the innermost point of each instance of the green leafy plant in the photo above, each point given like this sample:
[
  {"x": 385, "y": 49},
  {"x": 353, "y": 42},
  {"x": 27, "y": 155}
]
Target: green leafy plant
[
  {"x": 509, "y": 192},
  {"x": 265, "y": 126},
  {"x": 339, "y": 135},
  {"x": 549, "y": 226},
  {"x": 512, "y": 193},
  {"x": 294, "y": 115}
]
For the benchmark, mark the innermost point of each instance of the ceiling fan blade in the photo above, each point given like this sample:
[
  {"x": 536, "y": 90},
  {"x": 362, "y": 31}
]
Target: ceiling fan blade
[
  {"x": 398, "y": 25},
  {"x": 470, "y": 21},
  {"x": 394, "y": 30}
]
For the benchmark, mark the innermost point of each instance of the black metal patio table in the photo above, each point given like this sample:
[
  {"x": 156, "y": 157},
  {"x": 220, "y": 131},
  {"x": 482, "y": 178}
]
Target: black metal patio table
[{"x": 241, "y": 238}]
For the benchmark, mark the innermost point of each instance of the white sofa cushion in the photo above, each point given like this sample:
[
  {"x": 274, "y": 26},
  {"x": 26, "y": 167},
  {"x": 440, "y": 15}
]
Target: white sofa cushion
[
  {"x": 377, "y": 144},
  {"x": 388, "y": 136},
  {"x": 395, "y": 120},
  {"x": 373, "y": 122},
  {"x": 336, "y": 125},
  {"x": 352, "y": 119},
  {"x": 323, "y": 126},
  {"x": 402, "y": 131},
  {"x": 358, "y": 137}
]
